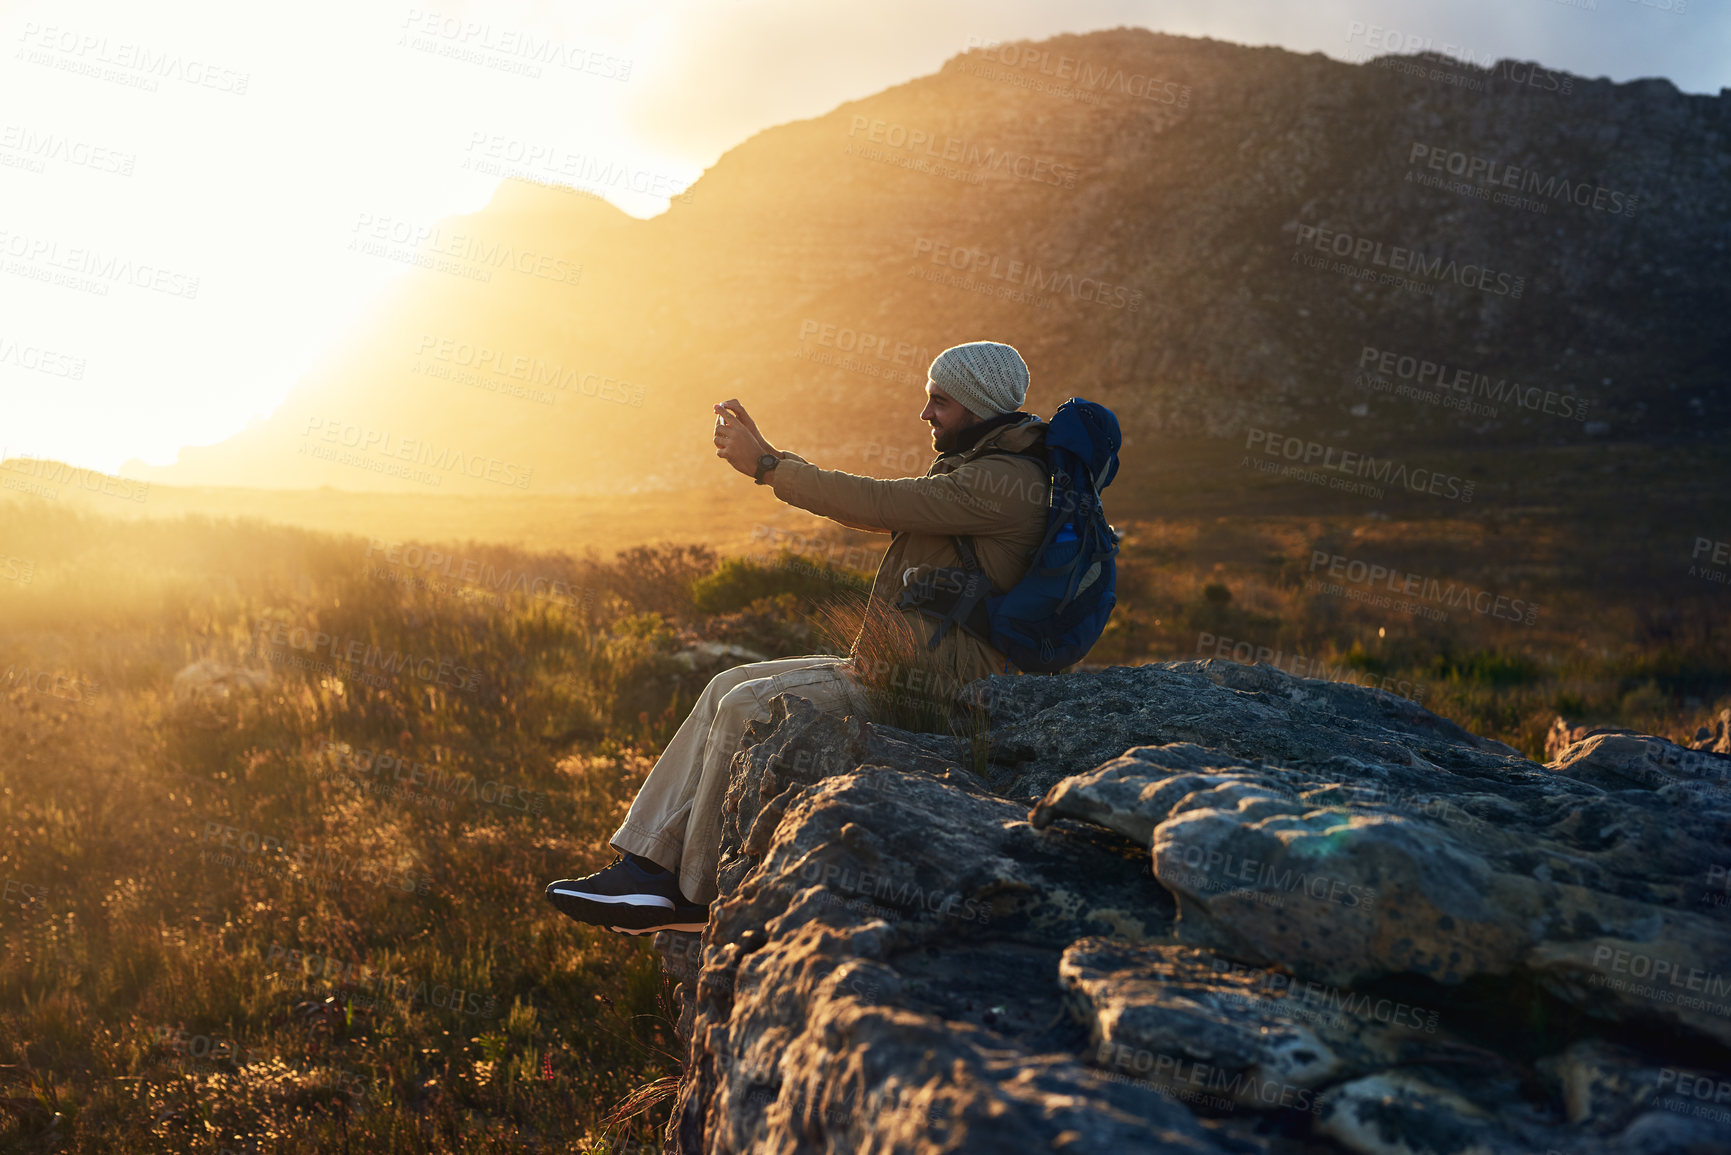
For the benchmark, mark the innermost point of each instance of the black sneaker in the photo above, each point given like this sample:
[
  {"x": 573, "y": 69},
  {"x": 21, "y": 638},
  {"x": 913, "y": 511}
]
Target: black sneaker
[{"x": 625, "y": 897}]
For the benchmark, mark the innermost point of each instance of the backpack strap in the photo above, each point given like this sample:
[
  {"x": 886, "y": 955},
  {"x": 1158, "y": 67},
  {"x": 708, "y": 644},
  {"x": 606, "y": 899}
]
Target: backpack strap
[{"x": 968, "y": 609}]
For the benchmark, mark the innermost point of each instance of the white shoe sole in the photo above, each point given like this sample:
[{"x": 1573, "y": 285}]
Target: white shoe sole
[{"x": 643, "y": 900}]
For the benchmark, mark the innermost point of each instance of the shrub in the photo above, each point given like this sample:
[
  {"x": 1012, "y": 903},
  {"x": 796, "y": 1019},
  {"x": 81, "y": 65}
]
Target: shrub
[
  {"x": 740, "y": 581},
  {"x": 658, "y": 578}
]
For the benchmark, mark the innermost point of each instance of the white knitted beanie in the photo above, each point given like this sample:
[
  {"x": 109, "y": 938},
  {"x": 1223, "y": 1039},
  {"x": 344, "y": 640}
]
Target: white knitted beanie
[{"x": 988, "y": 378}]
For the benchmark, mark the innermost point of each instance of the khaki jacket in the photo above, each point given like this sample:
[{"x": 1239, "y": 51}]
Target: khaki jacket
[{"x": 1000, "y": 501}]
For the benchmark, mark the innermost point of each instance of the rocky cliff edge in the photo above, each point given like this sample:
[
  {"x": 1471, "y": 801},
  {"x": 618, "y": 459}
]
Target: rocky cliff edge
[{"x": 1204, "y": 907}]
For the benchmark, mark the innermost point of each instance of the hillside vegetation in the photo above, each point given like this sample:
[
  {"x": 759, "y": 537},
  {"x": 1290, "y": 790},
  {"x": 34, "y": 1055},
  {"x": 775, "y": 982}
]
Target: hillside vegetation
[{"x": 291, "y": 897}]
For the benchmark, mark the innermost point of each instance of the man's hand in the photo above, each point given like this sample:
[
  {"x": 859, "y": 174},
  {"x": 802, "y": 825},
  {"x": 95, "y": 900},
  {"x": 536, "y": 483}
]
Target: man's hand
[
  {"x": 732, "y": 407},
  {"x": 738, "y": 442}
]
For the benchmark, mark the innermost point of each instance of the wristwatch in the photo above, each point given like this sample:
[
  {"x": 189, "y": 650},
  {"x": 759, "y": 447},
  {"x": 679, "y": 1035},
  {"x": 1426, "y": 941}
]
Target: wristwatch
[{"x": 764, "y": 464}]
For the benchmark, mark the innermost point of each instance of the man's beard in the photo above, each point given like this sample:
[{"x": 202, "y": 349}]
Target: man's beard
[{"x": 944, "y": 442}]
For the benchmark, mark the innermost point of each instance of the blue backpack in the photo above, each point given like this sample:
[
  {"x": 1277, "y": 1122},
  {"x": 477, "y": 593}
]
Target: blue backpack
[{"x": 1053, "y": 616}]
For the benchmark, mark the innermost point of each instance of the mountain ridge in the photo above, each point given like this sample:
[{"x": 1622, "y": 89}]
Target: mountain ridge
[{"x": 1195, "y": 211}]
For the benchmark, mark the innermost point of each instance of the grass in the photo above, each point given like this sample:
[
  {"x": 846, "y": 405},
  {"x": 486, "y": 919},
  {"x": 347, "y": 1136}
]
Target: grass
[
  {"x": 307, "y": 916},
  {"x": 1649, "y": 651}
]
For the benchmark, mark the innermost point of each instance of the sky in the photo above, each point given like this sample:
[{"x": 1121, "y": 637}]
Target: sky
[{"x": 183, "y": 184}]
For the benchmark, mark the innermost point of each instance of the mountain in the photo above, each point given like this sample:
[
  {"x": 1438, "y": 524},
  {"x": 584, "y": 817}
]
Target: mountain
[
  {"x": 1211, "y": 908},
  {"x": 1213, "y": 239}
]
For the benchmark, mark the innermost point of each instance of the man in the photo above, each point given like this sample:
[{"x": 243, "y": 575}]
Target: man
[{"x": 670, "y": 839}]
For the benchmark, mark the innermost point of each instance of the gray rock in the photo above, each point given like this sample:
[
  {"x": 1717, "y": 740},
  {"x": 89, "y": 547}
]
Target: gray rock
[
  {"x": 1562, "y": 735},
  {"x": 1250, "y": 912},
  {"x": 1621, "y": 760},
  {"x": 1716, "y": 737},
  {"x": 1046, "y": 729},
  {"x": 209, "y": 682},
  {"x": 711, "y": 655},
  {"x": 1354, "y": 882}
]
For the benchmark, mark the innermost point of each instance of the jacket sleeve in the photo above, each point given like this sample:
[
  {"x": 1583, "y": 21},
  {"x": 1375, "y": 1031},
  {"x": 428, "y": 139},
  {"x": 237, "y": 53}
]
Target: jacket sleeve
[
  {"x": 977, "y": 497},
  {"x": 788, "y": 455}
]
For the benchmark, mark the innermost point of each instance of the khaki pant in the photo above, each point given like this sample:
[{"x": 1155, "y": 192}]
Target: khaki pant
[{"x": 675, "y": 820}]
